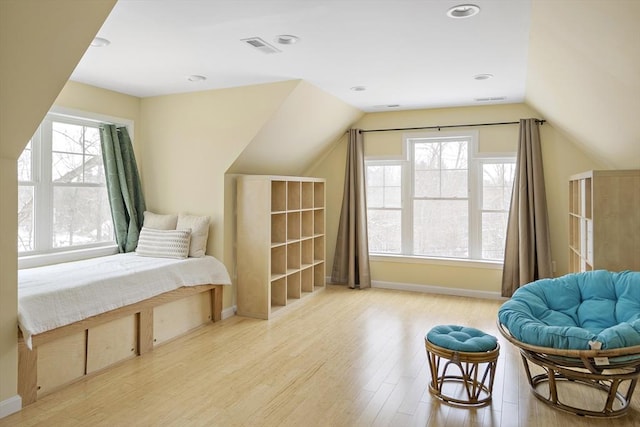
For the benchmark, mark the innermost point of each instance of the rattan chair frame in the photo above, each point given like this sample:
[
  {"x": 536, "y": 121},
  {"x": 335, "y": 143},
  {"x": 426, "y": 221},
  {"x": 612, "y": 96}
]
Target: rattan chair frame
[{"x": 605, "y": 370}]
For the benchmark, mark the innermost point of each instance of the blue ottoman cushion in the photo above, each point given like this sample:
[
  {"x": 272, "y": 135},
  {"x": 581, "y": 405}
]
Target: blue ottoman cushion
[{"x": 461, "y": 338}]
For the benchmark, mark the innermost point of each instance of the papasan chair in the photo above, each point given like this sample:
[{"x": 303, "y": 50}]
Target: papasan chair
[{"x": 583, "y": 328}]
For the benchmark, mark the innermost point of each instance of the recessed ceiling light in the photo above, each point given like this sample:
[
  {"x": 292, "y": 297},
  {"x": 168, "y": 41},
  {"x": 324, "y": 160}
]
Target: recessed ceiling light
[
  {"x": 287, "y": 39},
  {"x": 463, "y": 11},
  {"x": 196, "y": 78},
  {"x": 100, "y": 42},
  {"x": 358, "y": 88},
  {"x": 485, "y": 76}
]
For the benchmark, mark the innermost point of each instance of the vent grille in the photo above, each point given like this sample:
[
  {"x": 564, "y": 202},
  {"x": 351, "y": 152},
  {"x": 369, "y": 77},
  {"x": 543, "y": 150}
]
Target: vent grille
[
  {"x": 493, "y": 98},
  {"x": 261, "y": 45}
]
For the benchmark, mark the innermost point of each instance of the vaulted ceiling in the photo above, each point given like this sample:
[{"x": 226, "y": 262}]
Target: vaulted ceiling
[
  {"x": 577, "y": 63},
  {"x": 583, "y": 75}
]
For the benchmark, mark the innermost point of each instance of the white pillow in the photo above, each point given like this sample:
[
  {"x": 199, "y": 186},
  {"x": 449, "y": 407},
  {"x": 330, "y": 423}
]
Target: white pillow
[
  {"x": 159, "y": 222},
  {"x": 163, "y": 243},
  {"x": 199, "y": 226}
]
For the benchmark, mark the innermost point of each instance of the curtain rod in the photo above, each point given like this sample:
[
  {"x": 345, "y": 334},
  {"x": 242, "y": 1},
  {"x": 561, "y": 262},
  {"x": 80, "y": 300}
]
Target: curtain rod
[{"x": 540, "y": 121}]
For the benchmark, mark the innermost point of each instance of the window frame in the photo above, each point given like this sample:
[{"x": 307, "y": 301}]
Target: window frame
[
  {"x": 44, "y": 253},
  {"x": 482, "y": 159},
  {"x": 475, "y": 161}
]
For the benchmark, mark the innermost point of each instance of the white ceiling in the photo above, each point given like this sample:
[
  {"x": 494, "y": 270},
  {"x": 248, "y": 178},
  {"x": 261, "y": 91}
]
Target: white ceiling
[{"x": 405, "y": 52}]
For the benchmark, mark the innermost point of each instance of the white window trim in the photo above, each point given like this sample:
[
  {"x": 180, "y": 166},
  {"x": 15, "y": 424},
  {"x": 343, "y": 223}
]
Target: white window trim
[
  {"x": 71, "y": 113},
  {"x": 475, "y": 161},
  {"x": 454, "y": 262},
  {"x": 477, "y": 210},
  {"x": 54, "y": 256}
]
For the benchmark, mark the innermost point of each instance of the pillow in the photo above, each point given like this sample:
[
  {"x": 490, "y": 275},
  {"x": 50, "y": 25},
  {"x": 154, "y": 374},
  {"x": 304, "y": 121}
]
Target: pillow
[
  {"x": 163, "y": 243},
  {"x": 159, "y": 222},
  {"x": 199, "y": 226}
]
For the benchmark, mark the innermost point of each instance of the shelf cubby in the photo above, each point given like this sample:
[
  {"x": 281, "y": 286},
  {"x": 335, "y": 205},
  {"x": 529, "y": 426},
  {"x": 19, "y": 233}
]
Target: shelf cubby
[
  {"x": 318, "y": 275},
  {"x": 307, "y": 222},
  {"x": 293, "y": 285},
  {"x": 278, "y": 196},
  {"x": 318, "y": 221},
  {"x": 278, "y": 260},
  {"x": 306, "y": 277},
  {"x": 307, "y": 195},
  {"x": 293, "y": 256},
  {"x": 318, "y": 194},
  {"x": 293, "y": 226},
  {"x": 306, "y": 255},
  {"x": 279, "y": 291},
  {"x": 293, "y": 195},
  {"x": 278, "y": 228},
  {"x": 318, "y": 249}
]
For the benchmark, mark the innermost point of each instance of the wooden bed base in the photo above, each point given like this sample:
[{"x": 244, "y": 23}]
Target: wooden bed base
[{"x": 68, "y": 353}]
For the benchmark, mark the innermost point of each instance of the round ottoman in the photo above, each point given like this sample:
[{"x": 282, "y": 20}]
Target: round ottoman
[{"x": 473, "y": 352}]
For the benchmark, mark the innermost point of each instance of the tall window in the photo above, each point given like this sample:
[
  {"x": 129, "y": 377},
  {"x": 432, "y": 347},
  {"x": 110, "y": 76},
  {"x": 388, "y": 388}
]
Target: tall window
[
  {"x": 384, "y": 207},
  {"x": 497, "y": 184},
  {"x": 62, "y": 197},
  {"x": 442, "y": 201}
]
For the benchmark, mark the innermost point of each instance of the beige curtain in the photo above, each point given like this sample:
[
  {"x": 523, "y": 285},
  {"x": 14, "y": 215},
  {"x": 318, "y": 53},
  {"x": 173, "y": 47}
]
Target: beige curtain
[
  {"x": 528, "y": 248},
  {"x": 351, "y": 259}
]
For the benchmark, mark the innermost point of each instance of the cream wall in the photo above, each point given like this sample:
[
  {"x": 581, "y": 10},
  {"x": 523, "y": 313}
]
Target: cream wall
[
  {"x": 82, "y": 97},
  {"x": 584, "y": 73},
  {"x": 8, "y": 278},
  {"x": 561, "y": 159},
  {"x": 41, "y": 42},
  {"x": 189, "y": 142}
]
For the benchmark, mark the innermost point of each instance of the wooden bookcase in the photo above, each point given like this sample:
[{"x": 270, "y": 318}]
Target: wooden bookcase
[
  {"x": 280, "y": 246},
  {"x": 604, "y": 220}
]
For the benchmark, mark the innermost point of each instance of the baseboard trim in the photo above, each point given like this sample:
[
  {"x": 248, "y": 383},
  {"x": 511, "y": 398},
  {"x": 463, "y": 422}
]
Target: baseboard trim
[
  {"x": 429, "y": 289},
  {"x": 10, "y": 406},
  {"x": 228, "y": 312}
]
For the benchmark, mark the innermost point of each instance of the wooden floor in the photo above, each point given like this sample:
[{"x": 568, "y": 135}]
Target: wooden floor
[{"x": 337, "y": 358}]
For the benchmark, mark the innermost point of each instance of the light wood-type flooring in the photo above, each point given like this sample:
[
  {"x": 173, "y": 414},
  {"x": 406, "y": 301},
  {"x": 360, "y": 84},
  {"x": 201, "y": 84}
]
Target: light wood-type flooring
[{"x": 338, "y": 357}]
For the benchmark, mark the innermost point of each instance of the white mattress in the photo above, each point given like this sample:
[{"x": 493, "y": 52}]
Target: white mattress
[{"x": 57, "y": 295}]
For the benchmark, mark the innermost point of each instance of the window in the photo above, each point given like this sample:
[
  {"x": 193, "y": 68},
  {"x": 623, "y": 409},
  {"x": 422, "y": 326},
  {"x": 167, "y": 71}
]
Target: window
[
  {"x": 62, "y": 196},
  {"x": 497, "y": 184},
  {"x": 384, "y": 207},
  {"x": 442, "y": 201}
]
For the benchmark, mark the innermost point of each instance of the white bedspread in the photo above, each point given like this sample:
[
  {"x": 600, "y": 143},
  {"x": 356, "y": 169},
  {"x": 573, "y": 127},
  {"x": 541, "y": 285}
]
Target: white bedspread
[{"x": 57, "y": 295}]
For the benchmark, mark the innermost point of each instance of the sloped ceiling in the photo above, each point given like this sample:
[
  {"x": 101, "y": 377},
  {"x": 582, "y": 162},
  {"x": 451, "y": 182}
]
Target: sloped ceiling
[
  {"x": 40, "y": 44},
  {"x": 306, "y": 123},
  {"x": 584, "y": 75}
]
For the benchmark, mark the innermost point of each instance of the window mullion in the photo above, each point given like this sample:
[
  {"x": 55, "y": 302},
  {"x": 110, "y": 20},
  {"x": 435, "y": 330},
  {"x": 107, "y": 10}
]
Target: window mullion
[
  {"x": 44, "y": 192},
  {"x": 475, "y": 208},
  {"x": 407, "y": 203}
]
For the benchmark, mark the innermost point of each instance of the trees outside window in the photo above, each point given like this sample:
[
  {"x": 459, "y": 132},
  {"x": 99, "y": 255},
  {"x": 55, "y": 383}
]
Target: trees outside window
[
  {"x": 62, "y": 196},
  {"x": 442, "y": 201}
]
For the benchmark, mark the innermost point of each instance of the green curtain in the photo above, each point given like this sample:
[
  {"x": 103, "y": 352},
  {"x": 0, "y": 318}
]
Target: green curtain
[{"x": 123, "y": 185}]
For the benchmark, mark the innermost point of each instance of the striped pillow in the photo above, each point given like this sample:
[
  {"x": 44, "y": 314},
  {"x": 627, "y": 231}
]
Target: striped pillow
[{"x": 164, "y": 243}]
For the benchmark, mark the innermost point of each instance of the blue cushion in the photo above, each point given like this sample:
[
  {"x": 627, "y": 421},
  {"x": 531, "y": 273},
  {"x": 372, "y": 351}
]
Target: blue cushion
[
  {"x": 569, "y": 311},
  {"x": 461, "y": 338}
]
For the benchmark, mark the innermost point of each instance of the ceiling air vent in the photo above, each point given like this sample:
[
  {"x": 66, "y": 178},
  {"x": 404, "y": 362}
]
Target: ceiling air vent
[
  {"x": 261, "y": 45},
  {"x": 493, "y": 98}
]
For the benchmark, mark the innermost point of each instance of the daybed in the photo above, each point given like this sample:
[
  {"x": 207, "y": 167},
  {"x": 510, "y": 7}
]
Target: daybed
[
  {"x": 78, "y": 318},
  {"x": 582, "y": 327}
]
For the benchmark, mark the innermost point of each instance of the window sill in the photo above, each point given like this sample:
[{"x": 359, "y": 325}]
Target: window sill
[
  {"x": 453, "y": 262},
  {"x": 39, "y": 260}
]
